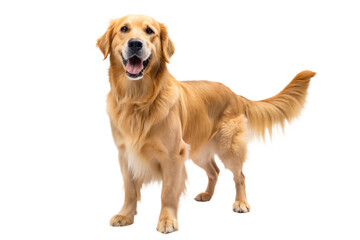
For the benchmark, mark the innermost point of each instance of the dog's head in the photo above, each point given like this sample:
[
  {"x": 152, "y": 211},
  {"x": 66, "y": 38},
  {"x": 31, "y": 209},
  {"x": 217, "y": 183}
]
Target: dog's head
[{"x": 137, "y": 43}]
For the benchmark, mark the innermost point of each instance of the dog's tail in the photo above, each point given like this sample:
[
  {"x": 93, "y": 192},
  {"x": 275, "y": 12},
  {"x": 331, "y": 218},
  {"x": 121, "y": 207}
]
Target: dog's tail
[{"x": 273, "y": 111}]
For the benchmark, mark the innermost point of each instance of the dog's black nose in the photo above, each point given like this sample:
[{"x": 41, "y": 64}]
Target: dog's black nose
[{"x": 135, "y": 45}]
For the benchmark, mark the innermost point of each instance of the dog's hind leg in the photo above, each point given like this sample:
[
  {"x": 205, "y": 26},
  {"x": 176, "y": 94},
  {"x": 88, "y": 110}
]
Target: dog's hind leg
[
  {"x": 231, "y": 148},
  {"x": 235, "y": 165},
  {"x": 240, "y": 205},
  {"x": 212, "y": 172}
]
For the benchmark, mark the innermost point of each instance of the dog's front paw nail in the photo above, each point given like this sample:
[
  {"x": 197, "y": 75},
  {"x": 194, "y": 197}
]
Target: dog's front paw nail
[
  {"x": 241, "y": 207},
  {"x": 120, "y": 220},
  {"x": 203, "y": 197},
  {"x": 167, "y": 226}
]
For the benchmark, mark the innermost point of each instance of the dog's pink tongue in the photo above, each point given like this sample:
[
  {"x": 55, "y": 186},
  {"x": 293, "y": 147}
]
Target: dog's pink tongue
[{"x": 134, "y": 67}]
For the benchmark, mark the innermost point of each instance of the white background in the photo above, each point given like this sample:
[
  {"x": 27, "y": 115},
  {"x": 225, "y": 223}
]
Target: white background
[{"x": 59, "y": 176}]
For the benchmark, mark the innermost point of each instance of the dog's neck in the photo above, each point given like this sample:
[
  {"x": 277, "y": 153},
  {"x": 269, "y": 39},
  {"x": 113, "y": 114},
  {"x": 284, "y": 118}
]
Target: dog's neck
[
  {"x": 143, "y": 91},
  {"x": 136, "y": 106}
]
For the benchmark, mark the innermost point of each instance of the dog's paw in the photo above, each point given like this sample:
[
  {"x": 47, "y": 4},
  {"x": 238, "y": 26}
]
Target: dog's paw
[
  {"x": 167, "y": 226},
  {"x": 241, "y": 207},
  {"x": 120, "y": 220},
  {"x": 203, "y": 197}
]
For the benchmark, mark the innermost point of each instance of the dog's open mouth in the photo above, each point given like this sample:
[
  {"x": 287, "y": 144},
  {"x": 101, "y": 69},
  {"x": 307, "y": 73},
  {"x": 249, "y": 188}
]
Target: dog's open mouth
[{"x": 135, "y": 66}]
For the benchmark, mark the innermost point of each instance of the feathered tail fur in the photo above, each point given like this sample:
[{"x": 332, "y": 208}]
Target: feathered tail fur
[{"x": 286, "y": 105}]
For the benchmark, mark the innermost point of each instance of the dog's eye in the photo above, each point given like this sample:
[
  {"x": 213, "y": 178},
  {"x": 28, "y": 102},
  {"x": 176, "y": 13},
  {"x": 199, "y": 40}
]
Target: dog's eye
[
  {"x": 149, "y": 31},
  {"x": 124, "y": 29}
]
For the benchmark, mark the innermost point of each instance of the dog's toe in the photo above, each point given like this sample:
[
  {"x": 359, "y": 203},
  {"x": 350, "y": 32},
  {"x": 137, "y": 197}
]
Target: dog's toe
[
  {"x": 203, "y": 197},
  {"x": 167, "y": 226},
  {"x": 120, "y": 220},
  {"x": 241, "y": 207}
]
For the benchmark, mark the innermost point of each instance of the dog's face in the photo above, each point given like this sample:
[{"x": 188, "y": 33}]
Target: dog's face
[{"x": 138, "y": 43}]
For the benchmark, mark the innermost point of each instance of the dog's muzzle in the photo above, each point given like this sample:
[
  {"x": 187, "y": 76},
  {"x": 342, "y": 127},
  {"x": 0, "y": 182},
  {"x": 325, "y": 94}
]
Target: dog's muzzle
[{"x": 135, "y": 58}]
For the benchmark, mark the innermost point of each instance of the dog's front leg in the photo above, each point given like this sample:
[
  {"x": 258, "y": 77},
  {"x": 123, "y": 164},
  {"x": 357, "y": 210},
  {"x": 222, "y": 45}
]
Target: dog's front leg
[
  {"x": 173, "y": 184},
  {"x": 132, "y": 195}
]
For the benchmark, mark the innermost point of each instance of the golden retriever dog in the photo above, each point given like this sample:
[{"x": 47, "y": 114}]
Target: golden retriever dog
[{"x": 158, "y": 122}]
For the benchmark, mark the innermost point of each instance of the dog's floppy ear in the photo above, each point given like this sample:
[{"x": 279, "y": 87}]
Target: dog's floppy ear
[
  {"x": 104, "y": 42},
  {"x": 167, "y": 46}
]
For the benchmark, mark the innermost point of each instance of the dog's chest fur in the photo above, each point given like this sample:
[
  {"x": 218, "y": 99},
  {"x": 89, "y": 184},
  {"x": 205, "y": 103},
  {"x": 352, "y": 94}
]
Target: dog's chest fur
[{"x": 131, "y": 125}]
